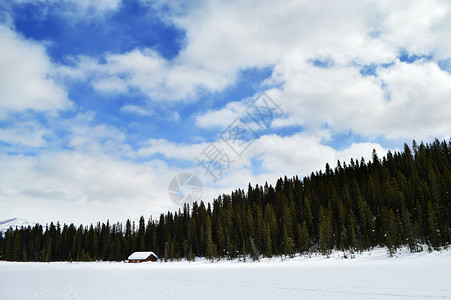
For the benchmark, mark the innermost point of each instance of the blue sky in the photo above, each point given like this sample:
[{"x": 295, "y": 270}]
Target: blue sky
[{"x": 102, "y": 103}]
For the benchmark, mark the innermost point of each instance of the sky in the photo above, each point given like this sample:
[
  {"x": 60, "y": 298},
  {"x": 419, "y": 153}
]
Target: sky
[{"x": 103, "y": 103}]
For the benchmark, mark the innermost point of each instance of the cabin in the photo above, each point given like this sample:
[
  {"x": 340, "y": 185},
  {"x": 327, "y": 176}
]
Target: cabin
[{"x": 138, "y": 257}]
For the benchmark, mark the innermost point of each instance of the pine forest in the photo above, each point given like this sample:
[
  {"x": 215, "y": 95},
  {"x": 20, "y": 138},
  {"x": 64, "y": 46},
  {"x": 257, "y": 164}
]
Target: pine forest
[{"x": 401, "y": 199}]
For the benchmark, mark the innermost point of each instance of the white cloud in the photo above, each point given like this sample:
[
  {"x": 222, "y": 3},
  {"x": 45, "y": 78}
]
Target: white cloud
[
  {"x": 175, "y": 116},
  {"x": 99, "y": 5},
  {"x": 84, "y": 135},
  {"x": 359, "y": 150},
  {"x": 138, "y": 110},
  {"x": 170, "y": 149},
  {"x": 74, "y": 187},
  {"x": 152, "y": 75},
  {"x": 86, "y": 185},
  {"x": 404, "y": 101},
  {"x": 304, "y": 153},
  {"x": 111, "y": 85},
  {"x": 299, "y": 154},
  {"x": 221, "y": 118},
  {"x": 420, "y": 103},
  {"x": 25, "y": 133},
  {"x": 417, "y": 26},
  {"x": 26, "y": 81},
  {"x": 223, "y": 38}
]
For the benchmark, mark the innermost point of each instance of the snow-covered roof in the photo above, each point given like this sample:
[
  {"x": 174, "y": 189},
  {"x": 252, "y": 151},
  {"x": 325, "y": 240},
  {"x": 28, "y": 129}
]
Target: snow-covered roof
[{"x": 142, "y": 255}]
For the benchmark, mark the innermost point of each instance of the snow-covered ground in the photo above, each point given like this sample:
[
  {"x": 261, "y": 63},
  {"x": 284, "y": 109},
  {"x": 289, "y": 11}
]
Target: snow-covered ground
[{"x": 371, "y": 275}]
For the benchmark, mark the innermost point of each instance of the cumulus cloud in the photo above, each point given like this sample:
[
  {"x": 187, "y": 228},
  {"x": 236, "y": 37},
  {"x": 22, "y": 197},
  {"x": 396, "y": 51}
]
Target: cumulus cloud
[
  {"x": 223, "y": 38},
  {"x": 84, "y": 135},
  {"x": 299, "y": 154},
  {"x": 405, "y": 100},
  {"x": 359, "y": 150},
  {"x": 152, "y": 75},
  {"x": 25, "y": 133},
  {"x": 221, "y": 118},
  {"x": 170, "y": 149},
  {"x": 303, "y": 153},
  {"x": 75, "y": 187},
  {"x": 316, "y": 51},
  {"x": 85, "y": 184},
  {"x": 417, "y": 26},
  {"x": 138, "y": 110},
  {"x": 26, "y": 81}
]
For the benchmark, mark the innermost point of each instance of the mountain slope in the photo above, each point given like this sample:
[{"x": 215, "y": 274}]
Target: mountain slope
[{"x": 14, "y": 222}]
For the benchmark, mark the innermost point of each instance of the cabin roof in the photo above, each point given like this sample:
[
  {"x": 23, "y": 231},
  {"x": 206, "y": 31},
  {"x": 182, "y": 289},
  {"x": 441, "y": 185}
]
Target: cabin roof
[{"x": 142, "y": 255}]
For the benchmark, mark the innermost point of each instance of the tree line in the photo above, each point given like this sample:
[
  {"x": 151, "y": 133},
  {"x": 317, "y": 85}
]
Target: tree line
[{"x": 402, "y": 199}]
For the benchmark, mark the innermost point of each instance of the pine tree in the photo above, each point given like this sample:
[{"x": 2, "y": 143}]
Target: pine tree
[
  {"x": 402, "y": 199},
  {"x": 325, "y": 232},
  {"x": 268, "y": 242},
  {"x": 288, "y": 243},
  {"x": 210, "y": 248},
  {"x": 433, "y": 225},
  {"x": 167, "y": 250},
  {"x": 254, "y": 252},
  {"x": 304, "y": 245},
  {"x": 389, "y": 243}
]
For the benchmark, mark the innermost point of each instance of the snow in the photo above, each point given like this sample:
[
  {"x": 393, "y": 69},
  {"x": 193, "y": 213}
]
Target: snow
[
  {"x": 15, "y": 222},
  {"x": 142, "y": 255},
  {"x": 370, "y": 275}
]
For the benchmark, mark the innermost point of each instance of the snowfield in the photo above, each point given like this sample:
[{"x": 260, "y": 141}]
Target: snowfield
[{"x": 370, "y": 275}]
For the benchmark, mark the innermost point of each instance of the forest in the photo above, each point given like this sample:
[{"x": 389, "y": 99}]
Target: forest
[{"x": 401, "y": 199}]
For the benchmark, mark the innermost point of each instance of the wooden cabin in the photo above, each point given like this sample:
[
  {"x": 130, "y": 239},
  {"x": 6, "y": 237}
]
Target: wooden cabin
[{"x": 142, "y": 256}]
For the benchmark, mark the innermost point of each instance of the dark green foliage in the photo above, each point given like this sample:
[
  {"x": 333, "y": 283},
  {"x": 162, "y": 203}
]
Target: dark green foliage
[
  {"x": 254, "y": 252},
  {"x": 389, "y": 243},
  {"x": 403, "y": 199}
]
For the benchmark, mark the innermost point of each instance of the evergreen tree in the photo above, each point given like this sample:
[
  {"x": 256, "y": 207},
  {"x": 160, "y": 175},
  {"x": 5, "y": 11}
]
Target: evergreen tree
[
  {"x": 400, "y": 200},
  {"x": 210, "y": 248},
  {"x": 304, "y": 245},
  {"x": 288, "y": 243},
  {"x": 389, "y": 243},
  {"x": 254, "y": 252}
]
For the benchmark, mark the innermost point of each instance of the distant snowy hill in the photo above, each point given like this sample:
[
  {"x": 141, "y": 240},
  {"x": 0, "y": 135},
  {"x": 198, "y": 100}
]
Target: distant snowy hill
[{"x": 15, "y": 222}]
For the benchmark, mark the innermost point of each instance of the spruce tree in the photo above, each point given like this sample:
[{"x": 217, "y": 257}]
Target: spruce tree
[
  {"x": 304, "y": 245},
  {"x": 210, "y": 248}
]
